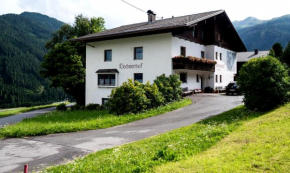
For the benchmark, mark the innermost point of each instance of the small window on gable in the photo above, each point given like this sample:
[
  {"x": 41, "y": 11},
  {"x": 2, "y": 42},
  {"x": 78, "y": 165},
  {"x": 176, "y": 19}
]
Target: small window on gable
[
  {"x": 108, "y": 55},
  {"x": 197, "y": 78},
  {"x": 202, "y": 35},
  {"x": 138, "y": 77},
  {"x": 216, "y": 56},
  {"x": 183, "y": 77},
  {"x": 138, "y": 53},
  {"x": 202, "y": 54},
  {"x": 221, "y": 55},
  {"x": 183, "y": 51}
]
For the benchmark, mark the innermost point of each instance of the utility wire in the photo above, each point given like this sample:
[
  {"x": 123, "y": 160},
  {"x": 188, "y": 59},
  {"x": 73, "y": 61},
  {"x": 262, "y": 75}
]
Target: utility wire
[
  {"x": 138, "y": 8},
  {"x": 134, "y": 6},
  {"x": 145, "y": 11}
]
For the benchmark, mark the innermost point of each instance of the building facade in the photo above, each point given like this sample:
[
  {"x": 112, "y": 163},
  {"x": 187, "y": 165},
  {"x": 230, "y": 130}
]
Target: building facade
[{"x": 200, "y": 48}]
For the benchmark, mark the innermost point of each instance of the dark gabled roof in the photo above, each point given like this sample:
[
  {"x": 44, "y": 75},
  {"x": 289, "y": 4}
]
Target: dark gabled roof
[
  {"x": 107, "y": 71},
  {"x": 246, "y": 56},
  {"x": 162, "y": 24}
]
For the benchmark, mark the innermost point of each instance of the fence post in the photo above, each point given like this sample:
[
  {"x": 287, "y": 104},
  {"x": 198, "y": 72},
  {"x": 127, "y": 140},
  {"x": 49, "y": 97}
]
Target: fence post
[{"x": 25, "y": 168}]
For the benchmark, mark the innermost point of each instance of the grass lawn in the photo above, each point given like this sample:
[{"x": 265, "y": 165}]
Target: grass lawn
[
  {"x": 72, "y": 121},
  {"x": 13, "y": 111},
  {"x": 173, "y": 146},
  {"x": 261, "y": 145}
]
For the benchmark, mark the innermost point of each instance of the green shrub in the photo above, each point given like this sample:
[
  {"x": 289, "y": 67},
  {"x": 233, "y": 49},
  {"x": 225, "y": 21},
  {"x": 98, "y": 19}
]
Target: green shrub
[
  {"x": 265, "y": 83},
  {"x": 153, "y": 95},
  {"x": 92, "y": 107},
  {"x": 61, "y": 107},
  {"x": 129, "y": 97},
  {"x": 169, "y": 87},
  {"x": 77, "y": 107}
]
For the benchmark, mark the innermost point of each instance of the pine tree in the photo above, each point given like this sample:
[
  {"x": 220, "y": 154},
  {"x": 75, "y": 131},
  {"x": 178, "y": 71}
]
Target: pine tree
[
  {"x": 278, "y": 49},
  {"x": 286, "y": 55}
]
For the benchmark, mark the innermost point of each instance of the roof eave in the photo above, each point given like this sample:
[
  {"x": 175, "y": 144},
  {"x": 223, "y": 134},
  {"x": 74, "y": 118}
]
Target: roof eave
[
  {"x": 244, "y": 47},
  {"x": 204, "y": 18},
  {"x": 88, "y": 39}
]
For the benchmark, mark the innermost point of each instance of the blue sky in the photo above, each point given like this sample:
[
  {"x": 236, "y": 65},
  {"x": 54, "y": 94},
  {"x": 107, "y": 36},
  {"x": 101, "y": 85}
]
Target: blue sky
[{"x": 118, "y": 13}]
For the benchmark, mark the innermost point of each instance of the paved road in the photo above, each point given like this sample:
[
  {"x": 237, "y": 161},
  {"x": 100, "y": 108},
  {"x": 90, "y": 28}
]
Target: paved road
[
  {"x": 43, "y": 151},
  {"x": 19, "y": 117}
]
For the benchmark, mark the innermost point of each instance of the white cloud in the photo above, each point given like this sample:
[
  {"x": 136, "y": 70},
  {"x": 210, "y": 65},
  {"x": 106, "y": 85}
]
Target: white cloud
[{"x": 118, "y": 13}]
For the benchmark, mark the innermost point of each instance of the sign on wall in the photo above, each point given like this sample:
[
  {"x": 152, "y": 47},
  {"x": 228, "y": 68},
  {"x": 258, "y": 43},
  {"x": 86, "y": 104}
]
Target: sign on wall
[
  {"x": 231, "y": 59},
  {"x": 130, "y": 66}
]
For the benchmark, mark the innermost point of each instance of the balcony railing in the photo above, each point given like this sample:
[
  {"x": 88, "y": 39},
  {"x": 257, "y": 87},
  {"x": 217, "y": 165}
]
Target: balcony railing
[{"x": 192, "y": 63}]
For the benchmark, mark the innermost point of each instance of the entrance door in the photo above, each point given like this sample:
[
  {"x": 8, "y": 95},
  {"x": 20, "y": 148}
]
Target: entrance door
[{"x": 201, "y": 82}]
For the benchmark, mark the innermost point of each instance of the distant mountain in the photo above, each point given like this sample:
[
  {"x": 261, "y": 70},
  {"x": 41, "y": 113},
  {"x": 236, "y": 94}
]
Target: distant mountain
[
  {"x": 248, "y": 22},
  {"x": 22, "y": 41},
  {"x": 264, "y": 34}
]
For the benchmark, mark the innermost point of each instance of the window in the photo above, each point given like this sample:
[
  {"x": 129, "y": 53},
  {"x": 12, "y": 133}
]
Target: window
[
  {"x": 183, "y": 77},
  {"x": 108, "y": 55},
  {"x": 106, "y": 79},
  {"x": 197, "y": 78},
  {"x": 202, "y": 54},
  {"x": 216, "y": 78},
  {"x": 202, "y": 35},
  {"x": 221, "y": 79},
  {"x": 221, "y": 55},
  {"x": 194, "y": 32},
  {"x": 216, "y": 55},
  {"x": 183, "y": 51},
  {"x": 138, "y": 53},
  {"x": 219, "y": 36},
  {"x": 104, "y": 101},
  {"x": 138, "y": 77}
]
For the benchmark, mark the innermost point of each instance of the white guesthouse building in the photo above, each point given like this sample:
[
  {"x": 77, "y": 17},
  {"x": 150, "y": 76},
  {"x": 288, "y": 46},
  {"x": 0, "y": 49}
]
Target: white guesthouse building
[{"x": 146, "y": 50}]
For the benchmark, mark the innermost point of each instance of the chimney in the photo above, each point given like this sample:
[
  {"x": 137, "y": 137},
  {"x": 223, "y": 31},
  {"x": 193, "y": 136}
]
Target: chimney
[
  {"x": 256, "y": 51},
  {"x": 151, "y": 16}
]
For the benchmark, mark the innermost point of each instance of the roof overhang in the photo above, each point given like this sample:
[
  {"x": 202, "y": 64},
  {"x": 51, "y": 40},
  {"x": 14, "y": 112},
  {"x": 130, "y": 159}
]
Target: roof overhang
[
  {"x": 107, "y": 71},
  {"x": 127, "y": 34}
]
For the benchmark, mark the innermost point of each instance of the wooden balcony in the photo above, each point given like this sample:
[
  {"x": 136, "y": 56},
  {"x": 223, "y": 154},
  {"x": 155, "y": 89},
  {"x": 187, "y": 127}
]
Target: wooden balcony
[{"x": 187, "y": 63}]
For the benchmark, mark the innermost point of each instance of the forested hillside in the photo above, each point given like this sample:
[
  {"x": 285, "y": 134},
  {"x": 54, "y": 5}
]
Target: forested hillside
[
  {"x": 263, "y": 34},
  {"x": 22, "y": 41}
]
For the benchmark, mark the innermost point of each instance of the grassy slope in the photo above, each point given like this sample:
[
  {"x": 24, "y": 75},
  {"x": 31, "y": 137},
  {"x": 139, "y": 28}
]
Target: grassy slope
[
  {"x": 13, "y": 111},
  {"x": 71, "y": 121},
  {"x": 176, "y": 145},
  {"x": 261, "y": 145}
]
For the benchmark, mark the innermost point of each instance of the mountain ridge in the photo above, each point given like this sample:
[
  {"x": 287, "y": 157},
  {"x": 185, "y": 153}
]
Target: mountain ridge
[
  {"x": 264, "y": 35},
  {"x": 247, "y": 22}
]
